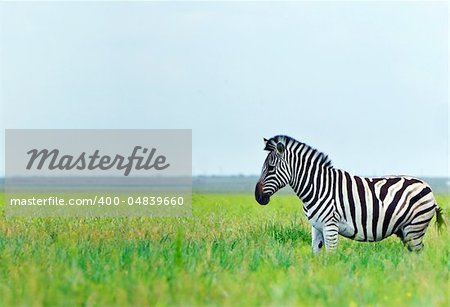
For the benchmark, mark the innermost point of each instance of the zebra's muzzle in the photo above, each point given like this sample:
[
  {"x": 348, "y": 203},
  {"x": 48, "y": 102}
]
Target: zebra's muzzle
[{"x": 261, "y": 197}]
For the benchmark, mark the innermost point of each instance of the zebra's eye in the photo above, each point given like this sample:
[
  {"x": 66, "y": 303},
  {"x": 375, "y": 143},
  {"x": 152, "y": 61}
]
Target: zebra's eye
[{"x": 270, "y": 167}]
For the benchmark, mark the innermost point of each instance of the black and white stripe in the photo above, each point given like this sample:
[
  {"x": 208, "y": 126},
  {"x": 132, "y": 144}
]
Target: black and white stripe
[{"x": 336, "y": 202}]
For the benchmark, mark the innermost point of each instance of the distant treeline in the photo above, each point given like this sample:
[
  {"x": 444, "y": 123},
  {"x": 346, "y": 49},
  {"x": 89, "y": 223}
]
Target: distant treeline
[{"x": 246, "y": 184}]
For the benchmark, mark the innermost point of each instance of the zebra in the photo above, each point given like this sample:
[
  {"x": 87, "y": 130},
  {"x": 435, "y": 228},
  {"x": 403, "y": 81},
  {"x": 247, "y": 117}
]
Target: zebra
[{"x": 336, "y": 202}]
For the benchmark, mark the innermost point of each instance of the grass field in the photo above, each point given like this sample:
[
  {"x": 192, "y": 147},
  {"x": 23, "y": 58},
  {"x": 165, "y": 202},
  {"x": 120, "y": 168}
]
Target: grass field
[{"x": 231, "y": 252}]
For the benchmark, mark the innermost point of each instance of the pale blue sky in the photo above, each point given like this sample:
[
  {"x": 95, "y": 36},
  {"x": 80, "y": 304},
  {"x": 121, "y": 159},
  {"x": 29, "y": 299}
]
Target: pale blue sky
[{"x": 364, "y": 82}]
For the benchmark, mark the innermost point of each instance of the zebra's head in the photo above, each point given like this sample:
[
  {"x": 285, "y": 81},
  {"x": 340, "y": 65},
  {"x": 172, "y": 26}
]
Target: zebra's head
[{"x": 275, "y": 172}]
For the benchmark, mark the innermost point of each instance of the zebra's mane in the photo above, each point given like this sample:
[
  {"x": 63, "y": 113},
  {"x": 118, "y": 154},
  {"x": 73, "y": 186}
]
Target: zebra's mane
[{"x": 289, "y": 142}]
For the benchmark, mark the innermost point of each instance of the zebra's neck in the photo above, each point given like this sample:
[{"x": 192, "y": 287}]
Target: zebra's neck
[{"x": 312, "y": 174}]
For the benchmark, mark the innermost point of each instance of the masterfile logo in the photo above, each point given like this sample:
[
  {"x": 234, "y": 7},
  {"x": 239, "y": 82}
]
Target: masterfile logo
[
  {"x": 53, "y": 160},
  {"x": 111, "y": 153}
]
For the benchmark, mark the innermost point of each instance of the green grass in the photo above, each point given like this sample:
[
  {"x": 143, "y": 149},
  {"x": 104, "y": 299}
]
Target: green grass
[{"x": 231, "y": 252}]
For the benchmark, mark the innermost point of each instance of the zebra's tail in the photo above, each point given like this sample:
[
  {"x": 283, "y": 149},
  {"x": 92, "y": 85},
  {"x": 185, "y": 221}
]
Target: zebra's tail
[{"x": 440, "y": 221}]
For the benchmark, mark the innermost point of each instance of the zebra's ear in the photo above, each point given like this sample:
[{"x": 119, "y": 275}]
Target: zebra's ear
[
  {"x": 280, "y": 148},
  {"x": 266, "y": 147}
]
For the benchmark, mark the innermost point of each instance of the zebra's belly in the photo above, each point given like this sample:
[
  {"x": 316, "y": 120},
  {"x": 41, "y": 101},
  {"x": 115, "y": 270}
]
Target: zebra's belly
[{"x": 347, "y": 230}]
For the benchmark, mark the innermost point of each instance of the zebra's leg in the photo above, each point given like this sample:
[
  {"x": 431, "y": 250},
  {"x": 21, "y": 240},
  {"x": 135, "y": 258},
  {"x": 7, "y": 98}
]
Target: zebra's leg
[
  {"x": 414, "y": 236},
  {"x": 317, "y": 240},
  {"x": 415, "y": 231},
  {"x": 330, "y": 235}
]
